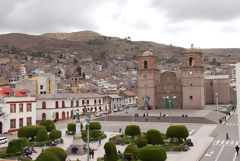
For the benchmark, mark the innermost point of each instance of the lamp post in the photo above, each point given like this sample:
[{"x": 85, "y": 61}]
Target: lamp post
[
  {"x": 88, "y": 122},
  {"x": 216, "y": 94},
  {"x": 170, "y": 99}
]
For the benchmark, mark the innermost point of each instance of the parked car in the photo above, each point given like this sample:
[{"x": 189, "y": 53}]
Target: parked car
[
  {"x": 3, "y": 140},
  {"x": 98, "y": 114},
  {"x": 115, "y": 110},
  {"x": 109, "y": 111}
]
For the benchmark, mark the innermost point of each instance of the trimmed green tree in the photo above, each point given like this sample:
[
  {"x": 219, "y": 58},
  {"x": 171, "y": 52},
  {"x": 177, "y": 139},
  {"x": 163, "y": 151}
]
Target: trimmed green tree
[
  {"x": 95, "y": 126},
  {"x": 154, "y": 137},
  {"x": 29, "y": 131},
  {"x": 55, "y": 134},
  {"x": 59, "y": 152},
  {"x": 49, "y": 124},
  {"x": 110, "y": 151},
  {"x": 17, "y": 145},
  {"x": 72, "y": 127},
  {"x": 150, "y": 153},
  {"x": 47, "y": 156},
  {"x": 131, "y": 151},
  {"x": 141, "y": 142},
  {"x": 42, "y": 135},
  {"x": 177, "y": 131},
  {"x": 132, "y": 130}
]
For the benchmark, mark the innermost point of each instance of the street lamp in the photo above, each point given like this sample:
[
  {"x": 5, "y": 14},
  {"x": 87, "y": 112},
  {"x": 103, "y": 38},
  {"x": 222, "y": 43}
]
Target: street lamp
[
  {"x": 170, "y": 99},
  {"x": 216, "y": 94},
  {"x": 88, "y": 122}
]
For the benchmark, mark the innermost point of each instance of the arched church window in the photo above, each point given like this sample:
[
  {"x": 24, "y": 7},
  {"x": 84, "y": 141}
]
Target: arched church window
[
  {"x": 145, "y": 63},
  {"x": 190, "y": 61}
]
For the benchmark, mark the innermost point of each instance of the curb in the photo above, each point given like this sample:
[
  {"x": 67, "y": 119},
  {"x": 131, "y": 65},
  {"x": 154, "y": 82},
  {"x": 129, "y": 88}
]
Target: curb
[{"x": 199, "y": 158}]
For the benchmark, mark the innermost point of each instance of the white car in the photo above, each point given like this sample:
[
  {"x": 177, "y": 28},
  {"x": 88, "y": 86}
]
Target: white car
[
  {"x": 115, "y": 110},
  {"x": 98, "y": 114},
  {"x": 3, "y": 140}
]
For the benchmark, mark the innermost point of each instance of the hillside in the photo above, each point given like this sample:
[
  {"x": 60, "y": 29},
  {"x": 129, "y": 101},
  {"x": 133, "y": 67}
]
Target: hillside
[{"x": 99, "y": 47}]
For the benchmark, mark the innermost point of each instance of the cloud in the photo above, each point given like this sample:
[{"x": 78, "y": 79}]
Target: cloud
[{"x": 212, "y": 10}]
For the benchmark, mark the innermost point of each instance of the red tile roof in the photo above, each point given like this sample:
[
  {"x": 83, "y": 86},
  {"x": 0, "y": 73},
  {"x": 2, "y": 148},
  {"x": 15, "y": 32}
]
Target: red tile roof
[
  {"x": 5, "y": 91},
  {"x": 129, "y": 93}
]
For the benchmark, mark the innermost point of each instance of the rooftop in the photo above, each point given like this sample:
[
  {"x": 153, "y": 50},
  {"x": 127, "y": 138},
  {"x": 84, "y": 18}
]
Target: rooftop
[
  {"x": 217, "y": 77},
  {"x": 68, "y": 96}
]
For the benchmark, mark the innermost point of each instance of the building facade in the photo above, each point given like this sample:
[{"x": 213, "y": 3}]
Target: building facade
[{"x": 186, "y": 89}]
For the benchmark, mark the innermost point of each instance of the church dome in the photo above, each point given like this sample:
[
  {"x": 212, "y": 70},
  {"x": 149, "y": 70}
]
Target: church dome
[{"x": 147, "y": 53}]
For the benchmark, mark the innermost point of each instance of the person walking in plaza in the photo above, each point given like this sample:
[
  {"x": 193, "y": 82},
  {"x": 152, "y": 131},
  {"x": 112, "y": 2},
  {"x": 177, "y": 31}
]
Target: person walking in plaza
[
  {"x": 99, "y": 142},
  {"x": 227, "y": 137},
  {"x": 237, "y": 149},
  {"x": 93, "y": 154}
]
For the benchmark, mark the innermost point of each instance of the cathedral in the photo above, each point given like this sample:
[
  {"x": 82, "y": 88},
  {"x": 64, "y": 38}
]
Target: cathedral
[{"x": 188, "y": 89}]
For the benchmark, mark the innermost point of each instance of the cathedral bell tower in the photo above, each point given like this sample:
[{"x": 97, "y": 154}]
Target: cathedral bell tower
[
  {"x": 147, "y": 75},
  {"x": 192, "y": 79}
]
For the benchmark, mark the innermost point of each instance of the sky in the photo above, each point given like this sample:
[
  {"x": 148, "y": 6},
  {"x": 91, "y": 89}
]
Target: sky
[{"x": 204, "y": 23}]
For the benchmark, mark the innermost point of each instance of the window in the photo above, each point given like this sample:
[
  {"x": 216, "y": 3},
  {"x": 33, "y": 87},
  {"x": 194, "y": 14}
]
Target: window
[
  {"x": 56, "y": 104},
  {"x": 29, "y": 107},
  {"x": 29, "y": 121},
  {"x": 95, "y": 101},
  {"x": 71, "y": 103},
  {"x": 12, "y": 123},
  {"x": 43, "y": 116},
  {"x": 191, "y": 97},
  {"x": 43, "y": 105},
  {"x": 20, "y": 107},
  {"x": 77, "y": 103},
  {"x": 12, "y": 108},
  {"x": 145, "y": 64},
  {"x": 88, "y": 102},
  {"x": 211, "y": 84},
  {"x": 20, "y": 122},
  {"x": 41, "y": 86},
  {"x": 63, "y": 104},
  {"x": 99, "y": 101},
  {"x": 83, "y": 102},
  {"x": 190, "y": 61}
]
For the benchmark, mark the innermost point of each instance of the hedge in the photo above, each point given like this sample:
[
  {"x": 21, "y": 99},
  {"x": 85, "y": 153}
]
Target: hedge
[
  {"x": 47, "y": 156},
  {"x": 178, "y": 131},
  {"x": 94, "y": 126},
  {"x": 55, "y": 134},
  {"x": 132, "y": 130},
  {"x": 29, "y": 131},
  {"x": 49, "y": 124},
  {"x": 72, "y": 127},
  {"x": 18, "y": 145},
  {"x": 59, "y": 152},
  {"x": 42, "y": 135},
  {"x": 110, "y": 151},
  {"x": 154, "y": 137},
  {"x": 130, "y": 150},
  {"x": 150, "y": 153},
  {"x": 141, "y": 142},
  {"x": 95, "y": 133}
]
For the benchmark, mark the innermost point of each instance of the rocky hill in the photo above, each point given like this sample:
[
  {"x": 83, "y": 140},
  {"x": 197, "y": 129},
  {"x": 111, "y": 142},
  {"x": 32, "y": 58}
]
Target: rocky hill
[{"x": 99, "y": 47}]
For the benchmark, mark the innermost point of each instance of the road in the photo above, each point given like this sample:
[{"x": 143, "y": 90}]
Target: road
[{"x": 222, "y": 149}]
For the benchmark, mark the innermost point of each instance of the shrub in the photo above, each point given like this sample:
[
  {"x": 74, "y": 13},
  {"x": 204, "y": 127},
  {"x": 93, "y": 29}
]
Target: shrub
[
  {"x": 55, "y": 134},
  {"x": 94, "y": 126},
  {"x": 154, "y": 137},
  {"x": 95, "y": 133},
  {"x": 18, "y": 145},
  {"x": 47, "y": 156},
  {"x": 49, "y": 124},
  {"x": 21, "y": 158},
  {"x": 178, "y": 131},
  {"x": 58, "y": 152},
  {"x": 141, "y": 142},
  {"x": 110, "y": 152},
  {"x": 29, "y": 131},
  {"x": 132, "y": 130},
  {"x": 84, "y": 133},
  {"x": 42, "y": 135},
  {"x": 150, "y": 153},
  {"x": 72, "y": 127},
  {"x": 130, "y": 150}
]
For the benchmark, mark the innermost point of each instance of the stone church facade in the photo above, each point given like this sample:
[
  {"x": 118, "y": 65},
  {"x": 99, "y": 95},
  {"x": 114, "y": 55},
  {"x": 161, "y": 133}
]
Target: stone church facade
[{"x": 188, "y": 87}]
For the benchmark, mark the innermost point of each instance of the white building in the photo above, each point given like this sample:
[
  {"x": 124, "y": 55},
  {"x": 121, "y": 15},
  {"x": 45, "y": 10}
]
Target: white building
[
  {"x": 17, "y": 109},
  {"x": 116, "y": 101},
  {"x": 129, "y": 98},
  {"x": 60, "y": 106}
]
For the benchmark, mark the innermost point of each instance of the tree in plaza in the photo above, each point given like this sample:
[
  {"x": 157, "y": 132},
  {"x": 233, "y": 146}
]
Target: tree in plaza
[
  {"x": 132, "y": 130},
  {"x": 55, "y": 134},
  {"x": 154, "y": 137},
  {"x": 49, "y": 124},
  {"x": 42, "y": 135},
  {"x": 131, "y": 151},
  {"x": 110, "y": 151},
  {"x": 177, "y": 131},
  {"x": 152, "y": 153}
]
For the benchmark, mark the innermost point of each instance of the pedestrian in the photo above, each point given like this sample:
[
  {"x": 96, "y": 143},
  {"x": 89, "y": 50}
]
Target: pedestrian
[
  {"x": 99, "y": 142},
  {"x": 143, "y": 114},
  {"x": 158, "y": 118},
  {"x": 120, "y": 130},
  {"x": 90, "y": 153},
  {"x": 119, "y": 152},
  {"x": 237, "y": 149},
  {"x": 160, "y": 114},
  {"x": 146, "y": 119},
  {"x": 147, "y": 114},
  {"x": 227, "y": 137},
  {"x": 42, "y": 149},
  {"x": 93, "y": 154}
]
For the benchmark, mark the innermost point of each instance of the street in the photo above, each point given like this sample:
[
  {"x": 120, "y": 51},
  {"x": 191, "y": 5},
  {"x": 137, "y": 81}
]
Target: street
[{"x": 222, "y": 149}]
